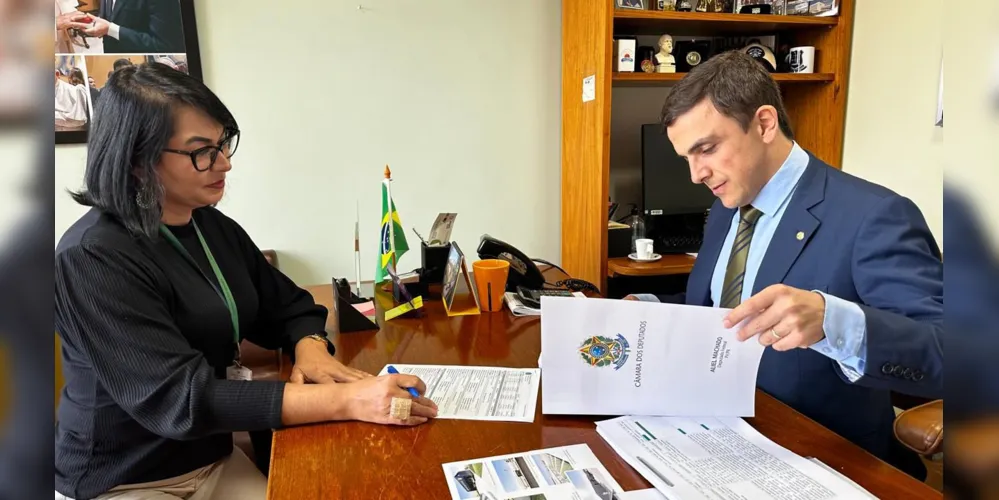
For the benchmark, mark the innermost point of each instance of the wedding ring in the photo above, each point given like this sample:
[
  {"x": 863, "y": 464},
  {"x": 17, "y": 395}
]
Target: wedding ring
[
  {"x": 774, "y": 333},
  {"x": 400, "y": 408}
]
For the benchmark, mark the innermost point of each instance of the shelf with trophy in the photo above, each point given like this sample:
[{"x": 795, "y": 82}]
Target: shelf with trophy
[{"x": 643, "y": 60}]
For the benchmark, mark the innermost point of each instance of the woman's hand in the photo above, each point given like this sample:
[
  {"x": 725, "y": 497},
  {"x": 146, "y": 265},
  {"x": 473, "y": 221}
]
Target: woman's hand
[
  {"x": 313, "y": 364},
  {"x": 370, "y": 400},
  {"x": 74, "y": 19}
]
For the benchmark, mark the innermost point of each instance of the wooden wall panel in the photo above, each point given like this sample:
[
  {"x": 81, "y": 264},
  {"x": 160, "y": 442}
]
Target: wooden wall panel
[{"x": 586, "y": 47}]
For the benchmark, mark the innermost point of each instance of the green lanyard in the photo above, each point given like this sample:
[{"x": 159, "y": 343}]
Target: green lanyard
[{"x": 225, "y": 294}]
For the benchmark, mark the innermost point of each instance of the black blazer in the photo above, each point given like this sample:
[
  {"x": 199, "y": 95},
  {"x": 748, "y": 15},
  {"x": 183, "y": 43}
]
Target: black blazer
[{"x": 146, "y": 26}]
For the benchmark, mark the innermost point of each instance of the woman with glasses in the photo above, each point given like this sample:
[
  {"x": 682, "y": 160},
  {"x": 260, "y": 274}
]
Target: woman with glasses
[{"x": 155, "y": 288}]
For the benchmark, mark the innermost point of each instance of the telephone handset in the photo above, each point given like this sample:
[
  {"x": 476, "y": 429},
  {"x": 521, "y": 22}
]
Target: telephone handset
[{"x": 523, "y": 272}]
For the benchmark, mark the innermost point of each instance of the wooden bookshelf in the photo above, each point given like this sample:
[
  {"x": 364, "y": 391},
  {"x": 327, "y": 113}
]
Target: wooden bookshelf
[
  {"x": 653, "y": 79},
  {"x": 815, "y": 102}
]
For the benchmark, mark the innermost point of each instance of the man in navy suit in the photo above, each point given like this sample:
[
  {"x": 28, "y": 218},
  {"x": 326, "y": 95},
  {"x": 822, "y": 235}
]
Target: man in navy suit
[
  {"x": 139, "y": 26},
  {"x": 840, "y": 277}
]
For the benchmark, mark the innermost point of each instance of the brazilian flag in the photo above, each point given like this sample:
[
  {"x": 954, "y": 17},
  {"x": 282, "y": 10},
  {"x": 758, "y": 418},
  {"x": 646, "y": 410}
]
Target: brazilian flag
[{"x": 385, "y": 247}]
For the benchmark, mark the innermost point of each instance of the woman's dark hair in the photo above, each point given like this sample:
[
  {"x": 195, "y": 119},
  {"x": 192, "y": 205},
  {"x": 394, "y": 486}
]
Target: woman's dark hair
[
  {"x": 132, "y": 124},
  {"x": 736, "y": 84}
]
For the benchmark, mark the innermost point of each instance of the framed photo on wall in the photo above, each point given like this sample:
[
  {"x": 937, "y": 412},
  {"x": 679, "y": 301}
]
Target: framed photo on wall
[{"x": 95, "y": 37}]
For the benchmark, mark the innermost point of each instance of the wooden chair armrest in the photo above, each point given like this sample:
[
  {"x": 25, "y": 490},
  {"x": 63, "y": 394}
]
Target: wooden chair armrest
[{"x": 921, "y": 428}]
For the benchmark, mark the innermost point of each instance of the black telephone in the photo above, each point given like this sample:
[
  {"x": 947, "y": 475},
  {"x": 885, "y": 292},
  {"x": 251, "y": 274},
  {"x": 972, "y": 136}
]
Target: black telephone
[{"x": 523, "y": 272}]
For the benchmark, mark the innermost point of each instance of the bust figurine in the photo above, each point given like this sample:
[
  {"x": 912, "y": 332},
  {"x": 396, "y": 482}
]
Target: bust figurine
[{"x": 665, "y": 62}]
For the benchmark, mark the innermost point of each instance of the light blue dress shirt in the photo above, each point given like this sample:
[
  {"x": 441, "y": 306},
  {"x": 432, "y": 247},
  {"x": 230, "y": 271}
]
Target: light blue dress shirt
[{"x": 844, "y": 322}]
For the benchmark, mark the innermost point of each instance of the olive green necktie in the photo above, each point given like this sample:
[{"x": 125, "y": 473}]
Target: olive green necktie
[{"x": 736, "y": 272}]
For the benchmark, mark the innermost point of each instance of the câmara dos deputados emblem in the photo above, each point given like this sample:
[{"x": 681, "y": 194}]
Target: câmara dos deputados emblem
[{"x": 603, "y": 351}]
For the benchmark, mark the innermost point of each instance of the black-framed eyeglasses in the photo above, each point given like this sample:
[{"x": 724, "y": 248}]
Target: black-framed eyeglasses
[{"x": 204, "y": 158}]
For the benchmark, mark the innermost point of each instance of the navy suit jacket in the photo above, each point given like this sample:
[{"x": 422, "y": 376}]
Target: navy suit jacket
[
  {"x": 862, "y": 243},
  {"x": 146, "y": 27}
]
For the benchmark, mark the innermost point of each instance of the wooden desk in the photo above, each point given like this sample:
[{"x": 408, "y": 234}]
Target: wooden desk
[
  {"x": 347, "y": 460},
  {"x": 669, "y": 264}
]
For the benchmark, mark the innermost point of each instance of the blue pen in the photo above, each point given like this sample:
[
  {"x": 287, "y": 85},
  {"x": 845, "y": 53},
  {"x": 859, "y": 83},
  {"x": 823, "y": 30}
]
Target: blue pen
[{"x": 412, "y": 391}]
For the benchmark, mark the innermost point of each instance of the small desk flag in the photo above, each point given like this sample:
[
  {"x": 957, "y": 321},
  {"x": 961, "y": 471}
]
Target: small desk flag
[{"x": 392, "y": 240}]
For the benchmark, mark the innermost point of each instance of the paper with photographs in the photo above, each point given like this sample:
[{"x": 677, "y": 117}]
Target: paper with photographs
[{"x": 567, "y": 472}]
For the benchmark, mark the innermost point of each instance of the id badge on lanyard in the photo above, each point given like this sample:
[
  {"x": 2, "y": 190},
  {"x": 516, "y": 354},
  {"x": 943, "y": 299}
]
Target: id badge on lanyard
[{"x": 234, "y": 371}]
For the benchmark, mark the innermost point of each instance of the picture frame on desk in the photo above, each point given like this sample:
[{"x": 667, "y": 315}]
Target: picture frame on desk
[
  {"x": 459, "y": 294},
  {"x": 84, "y": 63}
]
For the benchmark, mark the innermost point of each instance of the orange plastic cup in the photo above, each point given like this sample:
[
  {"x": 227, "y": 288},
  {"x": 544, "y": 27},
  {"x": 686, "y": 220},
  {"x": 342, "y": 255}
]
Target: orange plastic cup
[{"x": 490, "y": 281}]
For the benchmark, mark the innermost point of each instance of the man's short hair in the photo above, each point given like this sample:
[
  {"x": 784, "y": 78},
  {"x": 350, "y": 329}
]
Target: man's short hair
[
  {"x": 735, "y": 83},
  {"x": 121, "y": 63}
]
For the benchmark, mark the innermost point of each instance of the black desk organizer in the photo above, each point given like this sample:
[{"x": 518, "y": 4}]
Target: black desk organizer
[{"x": 349, "y": 319}]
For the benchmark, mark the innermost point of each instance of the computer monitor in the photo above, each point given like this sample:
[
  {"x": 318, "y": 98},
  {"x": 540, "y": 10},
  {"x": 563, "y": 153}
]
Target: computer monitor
[{"x": 666, "y": 186}]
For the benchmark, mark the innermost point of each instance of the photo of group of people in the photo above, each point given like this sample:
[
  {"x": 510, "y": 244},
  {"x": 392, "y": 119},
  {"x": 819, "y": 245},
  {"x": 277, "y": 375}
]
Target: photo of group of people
[
  {"x": 79, "y": 80},
  {"x": 96, "y": 37}
]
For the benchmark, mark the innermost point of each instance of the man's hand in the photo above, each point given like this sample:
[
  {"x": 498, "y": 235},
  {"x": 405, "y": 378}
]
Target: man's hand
[
  {"x": 314, "y": 364},
  {"x": 785, "y": 317},
  {"x": 99, "y": 28},
  {"x": 630, "y": 297}
]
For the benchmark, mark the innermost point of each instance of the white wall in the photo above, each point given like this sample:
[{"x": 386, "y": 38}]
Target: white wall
[
  {"x": 971, "y": 34},
  {"x": 461, "y": 99},
  {"x": 891, "y": 106}
]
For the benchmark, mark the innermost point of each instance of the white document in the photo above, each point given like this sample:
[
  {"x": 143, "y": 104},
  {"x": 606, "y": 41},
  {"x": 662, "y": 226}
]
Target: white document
[
  {"x": 568, "y": 472},
  {"x": 841, "y": 476},
  {"x": 479, "y": 392},
  {"x": 618, "y": 357},
  {"x": 589, "y": 88},
  {"x": 719, "y": 459},
  {"x": 647, "y": 494}
]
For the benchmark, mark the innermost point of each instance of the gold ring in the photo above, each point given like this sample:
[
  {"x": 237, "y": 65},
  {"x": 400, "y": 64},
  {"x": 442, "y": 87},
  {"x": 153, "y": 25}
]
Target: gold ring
[
  {"x": 774, "y": 333},
  {"x": 400, "y": 408}
]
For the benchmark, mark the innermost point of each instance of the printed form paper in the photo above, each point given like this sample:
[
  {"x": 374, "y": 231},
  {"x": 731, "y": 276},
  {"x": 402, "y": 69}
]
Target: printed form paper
[
  {"x": 479, "y": 392},
  {"x": 618, "y": 357},
  {"x": 568, "y": 472},
  {"x": 719, "y": 459}
]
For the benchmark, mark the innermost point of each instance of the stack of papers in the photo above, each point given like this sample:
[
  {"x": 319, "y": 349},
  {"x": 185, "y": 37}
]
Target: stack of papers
[
  {"x": 720, "y": 458},
  {"x": 568, "y": 472},
  {"x": 518, "y": 308}
]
